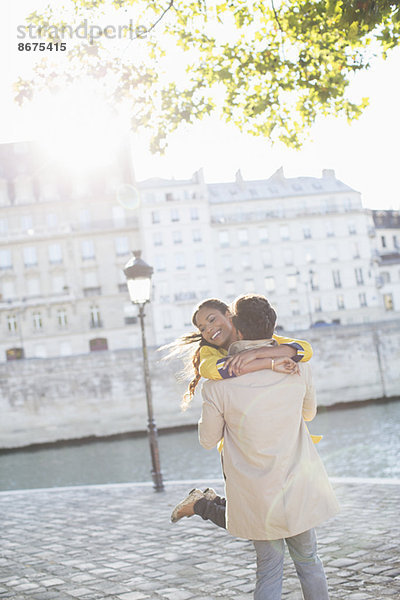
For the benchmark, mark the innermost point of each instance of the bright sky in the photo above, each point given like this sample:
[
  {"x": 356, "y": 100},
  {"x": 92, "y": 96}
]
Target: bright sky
[{"x": 364, "y": 154}]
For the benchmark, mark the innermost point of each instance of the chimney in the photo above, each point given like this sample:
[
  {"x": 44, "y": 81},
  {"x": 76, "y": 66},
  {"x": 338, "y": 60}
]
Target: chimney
[{"x": 328, "y": 173}]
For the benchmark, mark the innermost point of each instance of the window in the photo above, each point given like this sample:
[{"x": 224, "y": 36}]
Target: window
[
  {"x": 245, "y": 261},
  {"x": 51, "y": 220},
  {"x": 383, "y": 241},
  {"x": 196, "y": 235},
  {"x": 174, "y": 215},
  {"x": 85, "y": 217},
  {"x": 33, "y": 286},
  {"x": 333, "y": 253},
  {"x": 314, "y": 281},
  {"x": 309, "y": 255},
  {"x": 288, "y": 256},
  {"x": 12, "y": 323},
  {"x": 306, "y": 233},
  {"x": 155, "y": 217},
  {"x": 395, "y": 242},
  {"x": 121, "y": 246},
  {"x": 266, "y": 258},
  {"x": 8, "y": 290},
  {"x": 249, "y": 286},
  {"x": 163, "y": 291},
  {"x": 352, "y": 229},
  {"x": 157, "y": 238},
  {"x": 169, "y": 196},
  {"x": 5, "y": 259},
  {"x": 180, "y": 261},
  {"x": 284, "y": 232},
  {"x": 55, "y": 254},
  {"x": 269, "y": 283},
  {"x": 26, "y": 223},
  {"x": 243, "y": 237},
  {"x": 359, "y": 276},
  {"x": 159, "y": 262},
  {"x": 130, "y": 316},
  {"x": 37, "y": 321},
  {"x": 356, "y": 250},
  {"x": 119, "y": 216},
  {"x": 223, "y": 237},
  {"x": 87, "y": 249},
  {"x": 62, "y": 319},
  {"x": 385, "y": 277},
  {"x": 295, "y": 307},
  {"x": 194, "y": 213},
  {"x": 177, "y": 237},
  {"x": 166, "y": 320},
  {"x": 317, "y": 304},
  {"x": 200, "y": 260},
  {"x": 330, "y": 232},
  {"x": 291, "y": 282},
  {"x": 227, "y": 263},
  {"x": 263, "y": 235},
  {"x": 95, "y": 320},
  {"x": 3, "y": 226},
  {"x": 98, "y": 344},
  {"x": 336, "y": 279},
  {"x": 363, "y": 299},
  {"x": 388, "y": 301},
  {"x": 340, "y": 302},
  {"x": 30, "y": 256}
]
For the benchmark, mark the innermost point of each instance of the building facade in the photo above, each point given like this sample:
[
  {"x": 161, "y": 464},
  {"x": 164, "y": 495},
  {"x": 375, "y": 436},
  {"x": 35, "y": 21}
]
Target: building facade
[
  {"x": 306, "y": 243},
  {"x": 387, "y": 257}
]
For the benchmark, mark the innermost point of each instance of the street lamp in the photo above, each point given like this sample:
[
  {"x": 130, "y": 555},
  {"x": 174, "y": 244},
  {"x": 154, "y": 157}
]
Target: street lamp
[{"x": 138, "y": 276}]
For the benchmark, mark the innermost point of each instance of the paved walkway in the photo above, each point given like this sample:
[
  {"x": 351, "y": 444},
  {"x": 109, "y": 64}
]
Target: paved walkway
[{"x": 116, "y": 542}]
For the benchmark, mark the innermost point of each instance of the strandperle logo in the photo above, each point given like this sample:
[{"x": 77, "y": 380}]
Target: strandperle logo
[{"x": 83, "y": 31}]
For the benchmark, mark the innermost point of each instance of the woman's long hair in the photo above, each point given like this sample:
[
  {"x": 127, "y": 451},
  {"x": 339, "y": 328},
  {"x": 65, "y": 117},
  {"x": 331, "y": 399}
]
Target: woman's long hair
[{"x": 182, "y": 348}]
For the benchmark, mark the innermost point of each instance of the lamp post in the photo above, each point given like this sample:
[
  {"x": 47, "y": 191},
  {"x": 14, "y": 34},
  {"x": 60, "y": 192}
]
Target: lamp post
[{"x": 138, "y": 275}]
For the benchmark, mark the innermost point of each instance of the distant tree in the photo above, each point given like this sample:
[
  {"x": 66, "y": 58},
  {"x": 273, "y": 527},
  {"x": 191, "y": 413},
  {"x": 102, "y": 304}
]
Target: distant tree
[{"x": 271, "y": 69}]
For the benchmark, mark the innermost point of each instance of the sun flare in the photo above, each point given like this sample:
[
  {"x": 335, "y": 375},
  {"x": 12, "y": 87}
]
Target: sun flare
[{"x": 79, "y": 131}]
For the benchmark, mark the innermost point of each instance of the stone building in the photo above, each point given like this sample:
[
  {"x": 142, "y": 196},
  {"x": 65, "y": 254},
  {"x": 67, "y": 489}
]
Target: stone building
[
  {"x": 306, "y": 243},
  {"x": 387, "y": 257},
  {"x": 63, "y": 243}
]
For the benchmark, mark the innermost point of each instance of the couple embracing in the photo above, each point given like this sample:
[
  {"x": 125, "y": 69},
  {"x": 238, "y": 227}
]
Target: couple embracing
[{"x": 257, "y": 398}]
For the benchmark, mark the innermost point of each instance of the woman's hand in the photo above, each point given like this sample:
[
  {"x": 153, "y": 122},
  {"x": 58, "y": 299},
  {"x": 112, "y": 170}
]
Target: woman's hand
[
  {"x": 286, "y": 365},
  {"x": 235, "y": 363}
]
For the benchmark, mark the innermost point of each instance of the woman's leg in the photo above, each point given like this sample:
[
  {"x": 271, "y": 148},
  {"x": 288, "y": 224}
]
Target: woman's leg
[
  {"x": 303, "y": 550},
  {"x": 269, "y": 569}
]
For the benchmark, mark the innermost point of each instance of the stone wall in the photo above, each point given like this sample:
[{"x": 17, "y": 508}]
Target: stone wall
[{"x": 99, "y": 394}]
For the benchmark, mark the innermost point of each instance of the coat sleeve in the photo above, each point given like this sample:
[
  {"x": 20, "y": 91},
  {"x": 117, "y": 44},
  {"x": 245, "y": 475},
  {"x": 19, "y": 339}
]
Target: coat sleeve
[
  {"x": 310, "y": 401},
  {"x": 211, "y": 423}
]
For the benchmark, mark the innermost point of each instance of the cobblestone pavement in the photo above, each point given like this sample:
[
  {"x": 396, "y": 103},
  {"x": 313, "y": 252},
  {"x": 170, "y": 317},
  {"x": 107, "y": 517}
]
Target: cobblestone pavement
[{"x": 116, "y": 542}]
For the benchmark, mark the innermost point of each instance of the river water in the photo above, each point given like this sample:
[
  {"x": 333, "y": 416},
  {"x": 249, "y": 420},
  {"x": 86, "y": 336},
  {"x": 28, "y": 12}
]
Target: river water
[{"x": 357, "y": 442}]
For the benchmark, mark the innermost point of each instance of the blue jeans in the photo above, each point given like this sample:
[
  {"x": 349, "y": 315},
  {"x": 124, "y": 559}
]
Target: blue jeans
[{"x": 303, "y": 550}]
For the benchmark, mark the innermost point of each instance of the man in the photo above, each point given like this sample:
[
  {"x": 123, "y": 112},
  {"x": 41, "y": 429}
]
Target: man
[{"x": 277, "y": 489}]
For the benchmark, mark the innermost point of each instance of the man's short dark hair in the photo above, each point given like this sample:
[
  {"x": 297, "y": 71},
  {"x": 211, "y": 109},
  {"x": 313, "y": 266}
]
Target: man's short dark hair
[{"x": 254, "y": 317}]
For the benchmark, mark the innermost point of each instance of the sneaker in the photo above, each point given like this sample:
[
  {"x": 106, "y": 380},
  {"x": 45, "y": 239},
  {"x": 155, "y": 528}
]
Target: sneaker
[
  {"x": 210, "y": 494},
  {"x": 185, "y": 508}
]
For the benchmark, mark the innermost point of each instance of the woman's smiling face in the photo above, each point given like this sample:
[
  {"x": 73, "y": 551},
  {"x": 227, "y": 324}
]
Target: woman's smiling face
[{"x": 215, "y": 327}]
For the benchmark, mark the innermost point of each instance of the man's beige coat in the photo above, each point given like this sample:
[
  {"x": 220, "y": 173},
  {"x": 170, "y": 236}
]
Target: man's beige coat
[{"x": 276, "y": 484}]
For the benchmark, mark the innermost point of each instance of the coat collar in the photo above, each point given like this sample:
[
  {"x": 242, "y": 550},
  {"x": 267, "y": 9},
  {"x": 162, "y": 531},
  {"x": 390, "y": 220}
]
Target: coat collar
[{"x": 249, "y": 345}]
